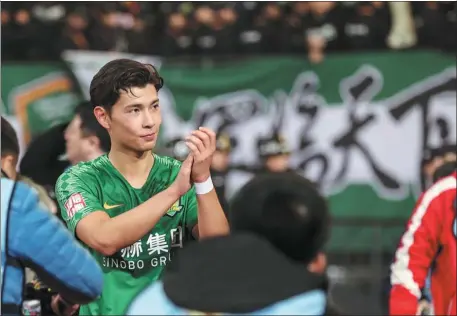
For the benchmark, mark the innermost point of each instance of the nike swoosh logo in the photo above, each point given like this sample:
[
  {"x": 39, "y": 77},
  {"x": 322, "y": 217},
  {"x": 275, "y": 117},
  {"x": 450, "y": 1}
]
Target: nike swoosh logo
[{"x": 106, "y": 206}]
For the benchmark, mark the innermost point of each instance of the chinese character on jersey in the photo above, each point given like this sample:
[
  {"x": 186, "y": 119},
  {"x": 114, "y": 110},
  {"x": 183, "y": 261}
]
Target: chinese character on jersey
[
  {"x": 74, "y": 204},
  {"x": 132, "y": 251},
  {"x": 176, "y": 237},
  {"x": 157, "y": 244}
]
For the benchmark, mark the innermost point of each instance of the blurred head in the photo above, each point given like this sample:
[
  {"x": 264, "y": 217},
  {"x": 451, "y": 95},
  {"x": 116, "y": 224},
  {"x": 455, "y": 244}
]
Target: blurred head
[
  {"x": 5, "y": 16},
  {"x": 228, "y": 15},
  {"x": 432, "y": 160},
  {"x": 301, "y": 7},
  {"x": 76, "y": 21},
  {"x": 22, "y": 17},
  {"x": 321, "y": 7},
  {"x": 204, "y": 15},
  {"x": 177, "y": 21},
  {"x": 274, "y": 153},
  {"x": 277, "y": 163},
  {"x": 124, "y": 94},
  {"x": 85, "y": 138},
  {"x": 287, "y": 210},
  {"x": 272, "y": 11},
  {"x": 221, "y": 157},
  {"x": 446, "y": 164},
  {"x": 10, "y": 149}
]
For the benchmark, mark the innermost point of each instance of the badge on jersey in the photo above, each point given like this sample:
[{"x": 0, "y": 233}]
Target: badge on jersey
[
  {"x": 176, "y": 207},
  {"x": 74, "y": 204}
]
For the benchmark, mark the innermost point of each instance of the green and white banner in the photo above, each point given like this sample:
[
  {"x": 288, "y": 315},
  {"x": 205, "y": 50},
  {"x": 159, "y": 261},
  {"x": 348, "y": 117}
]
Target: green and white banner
[
  {"x": 356, "y": 124},
  {"x": 36, "y": 96}
]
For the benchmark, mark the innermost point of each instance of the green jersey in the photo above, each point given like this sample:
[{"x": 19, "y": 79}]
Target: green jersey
[{"x": 98, "y": 186}]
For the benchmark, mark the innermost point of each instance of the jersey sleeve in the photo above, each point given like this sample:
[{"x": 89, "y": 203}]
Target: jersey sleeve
[
  {"x": 191, "y": 209},
  {"x": 77, "y": 198}
]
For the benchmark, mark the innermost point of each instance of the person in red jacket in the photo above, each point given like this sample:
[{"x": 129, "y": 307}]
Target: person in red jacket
[{"x": 428, "y": 243}]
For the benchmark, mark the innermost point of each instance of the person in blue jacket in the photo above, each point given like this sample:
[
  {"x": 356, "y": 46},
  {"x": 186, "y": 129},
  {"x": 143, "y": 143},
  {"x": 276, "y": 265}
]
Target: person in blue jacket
[
  {"x": 32, "y": 237},
  {"x": 272, "y": 264}
]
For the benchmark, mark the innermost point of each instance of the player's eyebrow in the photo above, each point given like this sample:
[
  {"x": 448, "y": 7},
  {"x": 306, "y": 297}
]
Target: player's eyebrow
[{"x": 136, "y": 105}]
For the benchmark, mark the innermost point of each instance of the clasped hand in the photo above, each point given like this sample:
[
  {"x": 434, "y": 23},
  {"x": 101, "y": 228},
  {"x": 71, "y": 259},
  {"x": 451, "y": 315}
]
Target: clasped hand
[
  {"x": 196, "y": 167},
  {"x": 202, "y": 145}
]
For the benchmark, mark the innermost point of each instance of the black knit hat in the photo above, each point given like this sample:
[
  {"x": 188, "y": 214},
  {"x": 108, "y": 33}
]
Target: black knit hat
[
  {"x": 430, "y": 154},
  {"x": 286, "y": 209},
  {"x": 225, "y": 143},
  {"x": 272, "y": 146}
]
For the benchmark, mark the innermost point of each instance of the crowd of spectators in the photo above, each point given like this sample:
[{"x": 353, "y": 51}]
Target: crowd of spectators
[{"x": 41, "y": 30}]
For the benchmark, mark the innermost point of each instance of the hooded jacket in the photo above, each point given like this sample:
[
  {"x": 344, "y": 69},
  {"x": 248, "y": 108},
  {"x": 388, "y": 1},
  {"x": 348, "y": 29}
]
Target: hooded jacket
[{"x": 237, "y": 274}]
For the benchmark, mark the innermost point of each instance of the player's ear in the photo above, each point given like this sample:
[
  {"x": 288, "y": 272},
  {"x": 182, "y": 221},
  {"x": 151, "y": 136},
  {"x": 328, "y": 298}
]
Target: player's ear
[
  {"x": 102, "y": 116},
  {"x": 9, "y": 163}
]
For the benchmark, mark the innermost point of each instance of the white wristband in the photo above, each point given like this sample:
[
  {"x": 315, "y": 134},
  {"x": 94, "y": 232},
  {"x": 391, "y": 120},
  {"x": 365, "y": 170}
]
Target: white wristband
[{"x": 204, "y": 187}]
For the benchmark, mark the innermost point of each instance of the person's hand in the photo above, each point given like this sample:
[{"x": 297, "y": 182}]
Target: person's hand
[
  {"x": 202, "y": 145},
  {"x": 182, "y": 182},
  {"x": 424, "y": 308},
  {"x": 62, "y": 308}
]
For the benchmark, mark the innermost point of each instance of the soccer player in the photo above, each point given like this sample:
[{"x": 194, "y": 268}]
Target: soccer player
[{"x": 131, "y": 207}]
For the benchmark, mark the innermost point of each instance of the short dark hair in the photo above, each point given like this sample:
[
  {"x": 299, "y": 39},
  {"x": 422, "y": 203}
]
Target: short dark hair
[
  {"x": 10, "y": 143},
  {"x": 121, "y": 75},
  {"x": 286, "y": 209},
  {"x": 91, "y": 127}
]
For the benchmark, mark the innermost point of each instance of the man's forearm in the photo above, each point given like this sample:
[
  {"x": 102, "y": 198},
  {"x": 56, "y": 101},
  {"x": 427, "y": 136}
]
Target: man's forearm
[
  {"x": 127, "y": 228},
  {"x": 211, "y": 216}
]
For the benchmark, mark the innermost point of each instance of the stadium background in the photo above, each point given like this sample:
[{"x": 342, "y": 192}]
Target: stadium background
[{"x": 358, "y": 91}]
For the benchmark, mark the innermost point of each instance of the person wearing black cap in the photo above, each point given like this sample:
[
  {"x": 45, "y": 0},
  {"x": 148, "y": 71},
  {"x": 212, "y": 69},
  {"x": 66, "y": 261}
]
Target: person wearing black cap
[
  {"x": 447, "y": 162},
  {"x": 287, "y": 210},
  {"x": 274, "y": 154},
  {"x": 438, "y": 163},
  {"x": 430, "y": 162},
  {"x": 220, "y": 166},
  {"x": 272, "y": 264}
]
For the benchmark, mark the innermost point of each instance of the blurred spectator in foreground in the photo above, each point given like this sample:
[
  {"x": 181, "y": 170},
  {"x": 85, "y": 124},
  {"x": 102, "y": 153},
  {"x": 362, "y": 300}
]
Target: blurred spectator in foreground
[
  {"x": 280, "y": 223},
  {"x": 10, "y": 155},
  {"x": 25, "y": 227},
  {"x": 83, "y": 139},
  {"x": 288, "y": 211},
  {"x": 62, "y": 263},
  {"x": 427, "y": 251}
]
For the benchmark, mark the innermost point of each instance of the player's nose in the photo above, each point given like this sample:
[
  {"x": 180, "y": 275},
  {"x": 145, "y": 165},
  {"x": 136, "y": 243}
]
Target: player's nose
[{"x": 148, "y": 120}]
